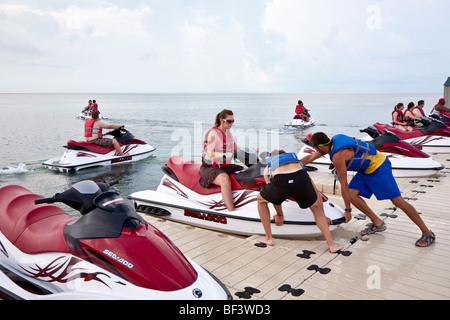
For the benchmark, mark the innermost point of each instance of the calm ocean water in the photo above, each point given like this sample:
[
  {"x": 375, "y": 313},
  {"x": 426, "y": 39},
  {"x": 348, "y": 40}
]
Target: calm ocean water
[{"x": 34, "y": 128}]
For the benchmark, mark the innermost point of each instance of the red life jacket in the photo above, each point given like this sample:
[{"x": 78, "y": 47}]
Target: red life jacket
[
  {"x": 94, "y": 107},
  {"x": 400, "y": 117},
  {"x": 89, "y": 128},
  {"x": 420, "y": 109},
  {"x": 224, "y": 145}
]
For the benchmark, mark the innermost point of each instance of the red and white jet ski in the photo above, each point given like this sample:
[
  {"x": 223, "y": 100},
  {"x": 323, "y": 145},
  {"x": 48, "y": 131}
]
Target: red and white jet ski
[
  {"x": 407, "y": 161},
  {"x": 179, "y": 197},
  {"x": 81, "y": 155},
  {"x": 298, "y": 122},
  {"x": 433, "y": 137},
  {"x": 111, "y": 252}
]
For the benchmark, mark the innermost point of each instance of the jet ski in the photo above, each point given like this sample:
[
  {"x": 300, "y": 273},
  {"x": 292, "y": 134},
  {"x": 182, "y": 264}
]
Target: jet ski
[
  {"x": 445, "y": 118},
  {"x": 111, "y": 252},
  {"x": 298, "y": 122},
  {"x": 179, "y": 197},
  {"x": 88, "y": 116},
  {"x": 81, "y": 155},
  {"x": 432, "y": 137},
  {"x": 407, "y": 161}
]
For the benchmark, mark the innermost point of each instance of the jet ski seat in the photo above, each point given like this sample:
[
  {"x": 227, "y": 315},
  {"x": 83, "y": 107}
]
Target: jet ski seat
[
  {"x": 86, "y": 146},
  {"x": 31, "y": 228},
  {"x": 188, "y": 174}
]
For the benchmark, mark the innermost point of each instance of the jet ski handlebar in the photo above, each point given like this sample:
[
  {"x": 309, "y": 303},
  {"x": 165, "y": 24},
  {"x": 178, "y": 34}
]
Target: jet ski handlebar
[
  {"x": 80, "y": 196},
  {"x": 45, "y": 200}
]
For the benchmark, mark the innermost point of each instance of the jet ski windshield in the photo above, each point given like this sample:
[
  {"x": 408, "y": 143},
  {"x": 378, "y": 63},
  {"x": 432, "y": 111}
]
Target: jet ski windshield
[
  {"x": 112, "y": 202},
  {"x": 107, "y": 220},
  {"x": 121, "y": 134}
]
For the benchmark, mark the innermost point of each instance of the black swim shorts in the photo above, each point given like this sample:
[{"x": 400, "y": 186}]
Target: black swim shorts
[{"x": 297, "y": 185}]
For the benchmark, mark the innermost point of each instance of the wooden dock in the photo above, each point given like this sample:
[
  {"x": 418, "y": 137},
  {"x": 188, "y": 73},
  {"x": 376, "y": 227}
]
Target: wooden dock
[{"x": 386, "y": 265}]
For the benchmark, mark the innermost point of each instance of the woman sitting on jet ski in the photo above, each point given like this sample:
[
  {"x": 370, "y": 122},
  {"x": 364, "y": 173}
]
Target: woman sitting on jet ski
[
  {"x": 398, "y": 120},
  {"x": 410, "y": 117},
  {"x": 218, "y": 151}
]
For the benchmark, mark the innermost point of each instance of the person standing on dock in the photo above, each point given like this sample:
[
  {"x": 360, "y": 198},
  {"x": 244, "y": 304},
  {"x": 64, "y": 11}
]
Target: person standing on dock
[
  {"x": 374, "y": 176},
  {"x": 285, "y": 178}
]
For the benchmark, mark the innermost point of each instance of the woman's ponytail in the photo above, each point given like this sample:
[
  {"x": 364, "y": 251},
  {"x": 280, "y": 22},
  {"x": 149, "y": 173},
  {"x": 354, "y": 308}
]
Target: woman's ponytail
[{"x": 222, "y": 115}]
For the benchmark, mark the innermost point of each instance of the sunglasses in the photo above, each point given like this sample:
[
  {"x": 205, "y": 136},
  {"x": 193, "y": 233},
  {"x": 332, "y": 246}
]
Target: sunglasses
[
  {"x": 228, "y": 121},
  {"x": 322, "y": 144}
]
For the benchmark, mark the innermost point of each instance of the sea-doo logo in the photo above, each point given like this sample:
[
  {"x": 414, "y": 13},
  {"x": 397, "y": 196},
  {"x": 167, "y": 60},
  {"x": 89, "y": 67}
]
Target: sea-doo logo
[
  {"x": 118, "y": 259},
  {"x": 197, "y": 293},
  {"x": 205, "y": 216}
]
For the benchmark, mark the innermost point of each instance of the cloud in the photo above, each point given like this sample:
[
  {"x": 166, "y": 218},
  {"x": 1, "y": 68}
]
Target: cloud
[
  {"x": 223, "y": 45},
  {"x": 354, "y": 45}
]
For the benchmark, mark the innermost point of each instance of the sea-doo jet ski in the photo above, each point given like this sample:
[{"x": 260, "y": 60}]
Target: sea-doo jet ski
[
  {"x": 298, "y": 122},
  {"x": 432, "y": 137},
  {"x": 111, "y": 252},
  {"x": 407, "y": 161},
  {"x": 88, "y": 116},
  {"x": 81, "y": 155},
  {"x": 179, "y": 197}
]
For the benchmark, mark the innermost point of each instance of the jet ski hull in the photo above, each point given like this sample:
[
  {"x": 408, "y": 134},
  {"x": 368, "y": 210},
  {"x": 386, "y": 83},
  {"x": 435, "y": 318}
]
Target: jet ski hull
[
  {"x": 62, "y": 276},
  {"x": 108, "y": 253},
  {"x": 300, "y": 123},
  {"x": 75, "y": 160},
  {"x": 173, "y": 201},
  {"x": 434, "y": 138}
]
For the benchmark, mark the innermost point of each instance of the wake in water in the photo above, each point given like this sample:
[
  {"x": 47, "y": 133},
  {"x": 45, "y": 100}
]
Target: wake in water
[{"x": 21, "y": 168}]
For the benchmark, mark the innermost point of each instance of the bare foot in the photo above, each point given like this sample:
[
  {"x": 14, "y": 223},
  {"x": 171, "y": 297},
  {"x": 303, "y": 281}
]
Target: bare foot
[
  {"x": 336, "y": 247},
  {"x": 265, "y": 240},
  {"x": 278, "y": 220},
  {"x": 124, "y": 154}
]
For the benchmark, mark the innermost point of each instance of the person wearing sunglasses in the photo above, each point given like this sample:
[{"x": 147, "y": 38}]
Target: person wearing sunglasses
[
  {"x": 373, "y": 177},
  {"x": 218, "y": 152}
]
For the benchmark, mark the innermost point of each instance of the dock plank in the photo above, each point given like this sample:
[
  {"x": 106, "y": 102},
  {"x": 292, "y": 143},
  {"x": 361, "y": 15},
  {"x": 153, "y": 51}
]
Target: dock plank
[{"x": 405, "y": 271}]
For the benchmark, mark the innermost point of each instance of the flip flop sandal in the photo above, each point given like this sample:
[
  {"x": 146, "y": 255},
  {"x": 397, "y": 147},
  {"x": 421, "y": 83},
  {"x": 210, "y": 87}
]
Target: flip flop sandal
[
  {"x": 428, "y": 238},
  {"x": 373, "y": 228}
]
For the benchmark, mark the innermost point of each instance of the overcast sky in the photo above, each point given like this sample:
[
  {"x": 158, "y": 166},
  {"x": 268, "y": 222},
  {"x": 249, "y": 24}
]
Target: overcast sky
[{"x": 286, "y": 46}]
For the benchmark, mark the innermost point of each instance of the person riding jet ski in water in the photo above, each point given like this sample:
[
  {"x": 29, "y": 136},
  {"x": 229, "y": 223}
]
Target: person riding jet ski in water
[
  {"x": 93, "y": 133},
  {"x": 374, "y": 176},
  {"x": 302, "y": 112}
]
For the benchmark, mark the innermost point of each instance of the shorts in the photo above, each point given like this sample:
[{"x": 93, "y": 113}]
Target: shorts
[
  {"x": 209, "y": 173},
  {"x": 380, "y": 183},
  {"x": 297, "y": 185},
  {"x": 104, "y": 142}
]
